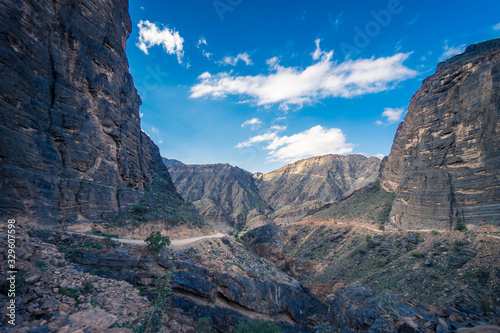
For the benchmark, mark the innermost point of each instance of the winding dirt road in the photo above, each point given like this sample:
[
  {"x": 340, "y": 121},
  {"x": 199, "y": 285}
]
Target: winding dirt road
[{"x": 175, "y": 242}]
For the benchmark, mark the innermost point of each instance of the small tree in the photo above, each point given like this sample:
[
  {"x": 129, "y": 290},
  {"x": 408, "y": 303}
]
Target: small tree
[
  {"x": 151, "y": 322},
  {"x": 156, "y": 242}
]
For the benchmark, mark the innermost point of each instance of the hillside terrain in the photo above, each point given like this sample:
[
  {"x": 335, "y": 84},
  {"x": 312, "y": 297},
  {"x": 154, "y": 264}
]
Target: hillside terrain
[
  {"x": 325, "y": 244},
  {"x": 229, "y": 196},
  {"x": 225, "y": 195}
]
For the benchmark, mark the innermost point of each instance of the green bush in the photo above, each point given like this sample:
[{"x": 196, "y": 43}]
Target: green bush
[
  {"x": 156, "y": 242},
  {"x": 41, "y": 264},
  {"x": 257, "y": 326},
  {"x": 139, "y": 209},
  {"x": 88, "y": 287},
  {"x": 459, "y": 226},
  {"x": 68, "y": 292},
  {"x": 381, "y": 263},
  {"x": 206, "y": 325}
]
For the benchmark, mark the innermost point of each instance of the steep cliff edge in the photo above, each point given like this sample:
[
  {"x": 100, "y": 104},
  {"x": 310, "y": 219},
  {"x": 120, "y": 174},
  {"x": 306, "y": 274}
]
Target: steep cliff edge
[
  {"x": 71, "y": 143},
  {"x": 445, "y": 161}
]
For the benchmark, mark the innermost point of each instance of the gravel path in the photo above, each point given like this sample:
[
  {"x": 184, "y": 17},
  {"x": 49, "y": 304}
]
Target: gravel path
[{"x": 175, "y": 242}]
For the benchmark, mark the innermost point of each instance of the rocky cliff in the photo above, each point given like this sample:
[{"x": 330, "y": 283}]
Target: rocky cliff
[
  {"x": 71, "y": 143},
  {"x": 297, "y": 188},
  {"x": 231, "y": 196},
  {"x": 224, "y": 195},
  {"x": 445, "y": 161}
]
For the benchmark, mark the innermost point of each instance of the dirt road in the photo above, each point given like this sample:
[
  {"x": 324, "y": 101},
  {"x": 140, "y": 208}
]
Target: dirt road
[{"x": 175, "y": 242}]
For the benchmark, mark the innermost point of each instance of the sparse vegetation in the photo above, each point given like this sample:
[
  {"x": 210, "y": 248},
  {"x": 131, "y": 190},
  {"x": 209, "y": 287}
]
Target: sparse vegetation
[
  {"x": 459, "y": 225},
  {"x": 41, "y": 264},
  {"x": 257, "y": 326},
  {"x": 151, "y": 322},
  {"x": 206, "y": 325},
  {"x": 156, "y": 242},
  {"x": 381, "y": 262},
  {"x": 88, "y": 287}
]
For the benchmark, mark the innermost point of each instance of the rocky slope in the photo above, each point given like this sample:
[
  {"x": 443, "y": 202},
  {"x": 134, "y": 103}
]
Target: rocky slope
[
  {"x": 231, "y": 196},
  {"x": 360, "y": 271},
  {"x": 214, "y": 278},
  {"x": 224, "y": 195},
  {"x": 445, "y": 161},
  {"x": 71, "y": 143}
]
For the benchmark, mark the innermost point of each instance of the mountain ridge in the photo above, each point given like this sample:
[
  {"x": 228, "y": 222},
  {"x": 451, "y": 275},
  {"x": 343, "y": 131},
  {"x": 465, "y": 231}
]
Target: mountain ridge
[{"x": 333, "y": 176}]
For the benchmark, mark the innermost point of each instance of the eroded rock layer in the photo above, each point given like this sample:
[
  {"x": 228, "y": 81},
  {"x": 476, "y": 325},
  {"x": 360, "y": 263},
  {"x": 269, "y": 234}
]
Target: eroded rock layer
[
  {"x": 445, "y": 161},
  {"x": 71, "y": 143}
]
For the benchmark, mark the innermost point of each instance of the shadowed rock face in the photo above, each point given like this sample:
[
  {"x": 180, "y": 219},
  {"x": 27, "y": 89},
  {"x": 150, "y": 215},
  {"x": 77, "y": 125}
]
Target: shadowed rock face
[
  {"x": 222, "y": 193},
  {"x": 445, "y": 161},
  {"x": 71, "y": 144}
]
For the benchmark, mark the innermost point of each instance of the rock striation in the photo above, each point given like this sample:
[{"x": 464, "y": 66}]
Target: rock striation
[
  {"x": 445, "y": 161},
  {"x": 71, "y": 143}
]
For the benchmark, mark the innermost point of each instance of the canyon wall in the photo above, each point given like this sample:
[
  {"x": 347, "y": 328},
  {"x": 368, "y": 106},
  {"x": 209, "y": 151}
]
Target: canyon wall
[
  {"x": 71, "y": 143},
  {"x": 445, "y": 161}
]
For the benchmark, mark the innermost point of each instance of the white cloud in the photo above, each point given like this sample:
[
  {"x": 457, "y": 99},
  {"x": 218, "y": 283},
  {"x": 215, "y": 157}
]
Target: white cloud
[
  {"x": 312, "y": 142},
  {"x": 155, "y": 130},
  {"x": 160, "y": 141},
  {"x": 150, "y": 35},
  {"x": 379, "y": 122},
  {"x": 379, "y": 156},
  {"x": 496, "y": 27},
  {"x": 393, "y": 115},
  {"x": 294, "y": 86},
  {"x": 255, "y": 123},
  {"x": 245, "y": 57},
  {"x": 278, "y": 128},
  {"x": 206, "y": 54},
  {"x": 273, "y": 63},
  {"x": 201, "y": 41},
  {"x": 450, "y": 51},
  {"x": 317, "y": 53}
]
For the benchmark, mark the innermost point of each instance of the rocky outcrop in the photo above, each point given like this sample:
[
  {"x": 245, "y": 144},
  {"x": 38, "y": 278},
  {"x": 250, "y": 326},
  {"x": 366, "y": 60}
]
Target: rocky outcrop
[
  {"x": 71, "y": 143},
  {"x": 224, "y": 195},
  {"x": 445, "y": 161}
]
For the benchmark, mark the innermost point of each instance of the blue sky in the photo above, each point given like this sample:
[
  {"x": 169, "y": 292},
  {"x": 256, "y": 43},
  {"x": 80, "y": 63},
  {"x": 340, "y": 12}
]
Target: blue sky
[{"x": 259, "y": 84}]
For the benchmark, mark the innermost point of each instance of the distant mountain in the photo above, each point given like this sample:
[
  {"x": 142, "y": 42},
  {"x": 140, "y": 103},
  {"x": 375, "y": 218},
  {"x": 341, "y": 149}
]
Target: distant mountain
[
  {"x": 224, "y": 195},
  {"x": 230, "y": 196},
  {"x": 297, "y": 188}
]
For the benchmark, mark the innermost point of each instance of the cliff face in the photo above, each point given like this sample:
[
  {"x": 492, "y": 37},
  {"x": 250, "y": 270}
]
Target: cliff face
[
  {"x": 308, "y": 184},
  {"x": 71, "y": 144},
  {"x": 224, "y": 195},
  {"x": 445, "y": 161}
]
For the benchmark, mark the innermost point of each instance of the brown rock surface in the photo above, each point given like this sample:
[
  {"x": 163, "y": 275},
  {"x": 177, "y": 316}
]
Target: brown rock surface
[
  {"x": 445, "y": 161},
  {"x": 71, "y": 143}
]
